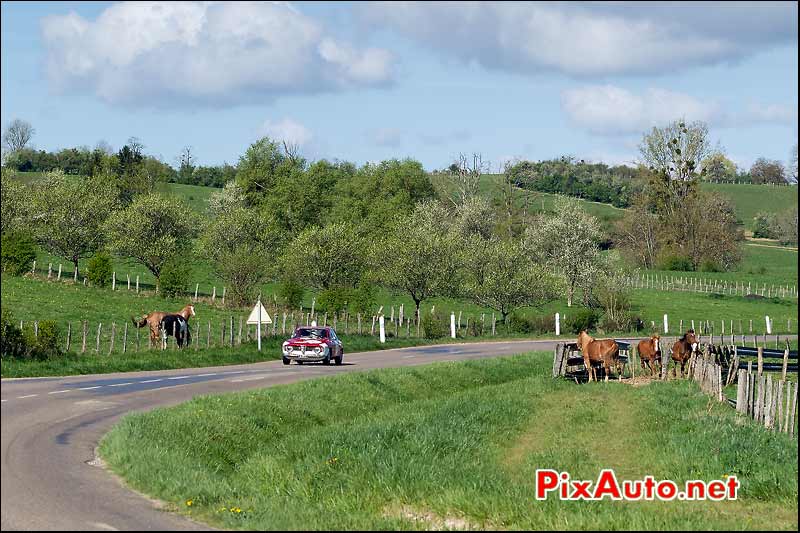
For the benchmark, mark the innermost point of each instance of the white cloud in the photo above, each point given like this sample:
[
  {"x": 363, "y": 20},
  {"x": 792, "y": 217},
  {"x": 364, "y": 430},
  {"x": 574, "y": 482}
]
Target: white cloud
[
  {"x": 204, "y": 53},
  {"x": 612, "y": 110},
  {"x": 287, "y": 130},
  {"x": 590, "y": 38},
  {"x": 609, "y": 110}
]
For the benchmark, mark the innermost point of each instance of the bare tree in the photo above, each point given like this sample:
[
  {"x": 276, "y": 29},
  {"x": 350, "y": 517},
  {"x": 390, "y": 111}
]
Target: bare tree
[
  {"x": 292, "y": 150},
  {"x": 17, "y": 135},
  {"x": 187, "y": 158},
  {"x": 461, "y": 180}
]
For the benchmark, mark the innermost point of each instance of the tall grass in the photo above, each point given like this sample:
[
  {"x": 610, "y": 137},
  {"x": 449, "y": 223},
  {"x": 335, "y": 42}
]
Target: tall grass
[{"x": 452, "y": 443}]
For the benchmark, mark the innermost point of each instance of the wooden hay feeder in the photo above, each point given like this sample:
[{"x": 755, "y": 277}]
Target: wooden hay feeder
[{"x": 568, "y": 361}]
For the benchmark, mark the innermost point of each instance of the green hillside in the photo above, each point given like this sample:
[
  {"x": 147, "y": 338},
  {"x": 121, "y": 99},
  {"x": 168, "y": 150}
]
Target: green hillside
[{"x": 752, "y": 199}]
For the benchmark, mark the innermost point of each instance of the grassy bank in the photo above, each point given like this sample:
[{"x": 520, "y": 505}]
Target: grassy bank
[{"x": 450, "y": 444}]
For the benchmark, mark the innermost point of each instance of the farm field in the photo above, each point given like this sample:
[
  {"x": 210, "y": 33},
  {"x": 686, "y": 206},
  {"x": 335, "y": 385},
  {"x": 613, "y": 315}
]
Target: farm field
[
  {"x": 453, "y": 444},
  {"x": 752, "y": 199}
]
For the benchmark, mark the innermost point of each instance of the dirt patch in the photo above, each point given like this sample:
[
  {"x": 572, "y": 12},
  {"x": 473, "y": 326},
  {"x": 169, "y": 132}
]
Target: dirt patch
[{"x": 427, "y": 519}]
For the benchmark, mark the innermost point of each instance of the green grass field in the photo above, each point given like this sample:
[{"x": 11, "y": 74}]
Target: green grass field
[
  {"x": 451, "y": 445},
  {"x": 752, "y": 199}
]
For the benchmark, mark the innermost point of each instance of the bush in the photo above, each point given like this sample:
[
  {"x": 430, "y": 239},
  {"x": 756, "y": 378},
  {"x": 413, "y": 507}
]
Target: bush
[
  {"x": 291, "y": 294},
  {"x": 620, "y": 322},
  {"x": 765, "y": 226},
  {"x": 15, "y": 343},
  {"x": 710, "y": 266},
  {"x": 362, "y": 299},
  {"x": 520, "y": 324},
  {"x": 476, "y": 327},
  {"x": 174, "y": 279},
  {"x": 333, "y": 300},
  {"x": 12, "y": 342},
  {"x": 99, "y": 270},
  {"x": 46, "y": 344},
  {"x": 677, "y": 263},
  {"x": 18, "y": 253},
  {"x": 581, "y": 320},
  {"x": 433, "y": 326}
]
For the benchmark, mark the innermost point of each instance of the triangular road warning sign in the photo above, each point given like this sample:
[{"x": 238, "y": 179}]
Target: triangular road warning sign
[{"x": 253, "y": 318}]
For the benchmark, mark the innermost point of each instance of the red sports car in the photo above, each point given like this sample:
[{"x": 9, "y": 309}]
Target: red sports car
[{"x": 313, "y": 343}]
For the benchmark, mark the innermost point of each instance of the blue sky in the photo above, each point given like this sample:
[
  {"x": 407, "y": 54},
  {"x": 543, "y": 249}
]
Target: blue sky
[{"x": 366, "y": 82}]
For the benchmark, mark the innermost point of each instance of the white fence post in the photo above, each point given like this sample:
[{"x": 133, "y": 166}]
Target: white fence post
[
  {"x": 452, "y": 325},
  {"x": 382, "y": 329},
  {"x": 666, "y": 324},
  {"x": 558, "y": 325}
]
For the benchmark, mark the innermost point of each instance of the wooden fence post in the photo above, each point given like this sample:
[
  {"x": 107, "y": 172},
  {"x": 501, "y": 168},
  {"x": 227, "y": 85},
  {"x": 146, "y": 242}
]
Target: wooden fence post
[
  {"x": 99, "y": 327},
  {"x": 137, "y": 283},
  {"x": 230, "y": 340},
  {"x": 741, "y": 389},
  {"x": 85, "y": 331},
  {"x": 760, "y": 360},
  {"x": 69, "y": 335},
  {"x": 785, "y": 362},
  {"x": 125, "y": 339},
  {"x": 113, "y": 334},
  {"x": 239, "y": 337},
  {"x": 208, "y": 336},
  {"x": 196, "y": 288},
  {"x": 59, "y": 272}
]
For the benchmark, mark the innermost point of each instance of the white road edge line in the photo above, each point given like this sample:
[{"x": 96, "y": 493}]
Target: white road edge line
[
  {"x": 247, "y": 379},
  {"x": 180, "y": 377},
  {"x": 205, "y": 375},
  {"x": 59, "y": 391},
  {"x": 26, "y": 396},
  {"x": 151, "y": 380},
  {"x": 90, "y": 388},
  {"x": 121, "y": 384}
]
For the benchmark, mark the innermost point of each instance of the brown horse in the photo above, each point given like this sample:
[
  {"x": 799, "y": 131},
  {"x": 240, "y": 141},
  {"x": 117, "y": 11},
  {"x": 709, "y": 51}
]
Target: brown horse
[
  {"x": 650, "y": 352},
  {"x": 154, "y": 321},
  {"x": 683, "y": 349},
  {"x": 605, "y": 351}
]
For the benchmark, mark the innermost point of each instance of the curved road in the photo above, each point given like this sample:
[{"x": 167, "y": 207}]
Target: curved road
[{"x": 51, "y": 427}]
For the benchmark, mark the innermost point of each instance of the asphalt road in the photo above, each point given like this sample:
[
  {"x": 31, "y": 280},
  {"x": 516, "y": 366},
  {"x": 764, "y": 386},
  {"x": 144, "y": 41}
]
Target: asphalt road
[{"x": 51, "y": 427}]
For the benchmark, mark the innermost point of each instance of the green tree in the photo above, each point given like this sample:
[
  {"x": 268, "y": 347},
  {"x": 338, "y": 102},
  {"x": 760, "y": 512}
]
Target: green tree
[
  {"x": 718, "y": 167},
  {"x": 568, "y": 243},
  {"x": 377, "y": 192},
  {"x": 419, "y": 254},
  {"x": 239, "y": 244},
  {"x": 14, "y": 202},
  {"x": 326, "y": 257},
  {"x": 675, "y": 154},
  {"x": 258, "y": 167},
  {"x": 500, "y": 277},
  {"x": 152, "y": 230},
  {"x": 68, "y": 213}
]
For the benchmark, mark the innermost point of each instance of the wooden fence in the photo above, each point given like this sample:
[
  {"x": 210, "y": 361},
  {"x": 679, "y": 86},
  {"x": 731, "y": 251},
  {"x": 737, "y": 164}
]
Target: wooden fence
[{"x": 665, "y": 282}]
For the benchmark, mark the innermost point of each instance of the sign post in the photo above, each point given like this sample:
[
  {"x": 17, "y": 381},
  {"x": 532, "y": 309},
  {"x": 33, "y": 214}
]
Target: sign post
[
  {"x": 453, "y": 325},
  {"x": 558, "y": 325},
  {"x": 259, "y": 316},
  {"x": 666, "y": 324},
  {"x": 383, "y": 329}
]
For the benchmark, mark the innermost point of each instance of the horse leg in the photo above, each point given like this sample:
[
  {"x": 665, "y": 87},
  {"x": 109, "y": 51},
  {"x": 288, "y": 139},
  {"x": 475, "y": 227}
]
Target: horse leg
[{"x": 588, "y": 364}]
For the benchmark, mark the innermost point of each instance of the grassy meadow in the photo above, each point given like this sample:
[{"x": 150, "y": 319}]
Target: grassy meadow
[
  {"x": 750, "y": 200},
  {"x": 451, "y": 445}
]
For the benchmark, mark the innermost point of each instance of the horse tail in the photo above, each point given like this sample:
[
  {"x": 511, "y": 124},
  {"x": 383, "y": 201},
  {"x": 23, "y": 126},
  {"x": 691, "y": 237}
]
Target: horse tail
[{"x": 140, "y": 323}]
